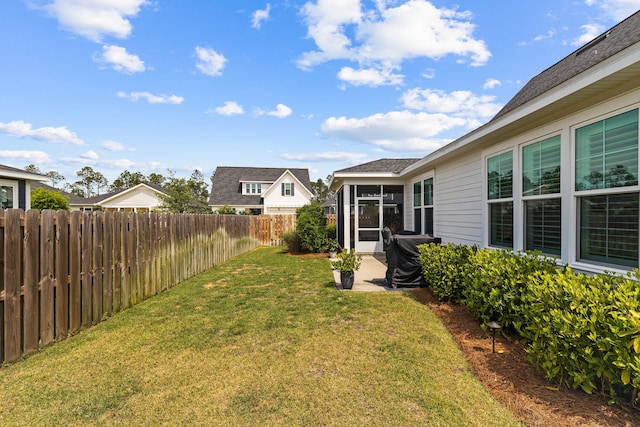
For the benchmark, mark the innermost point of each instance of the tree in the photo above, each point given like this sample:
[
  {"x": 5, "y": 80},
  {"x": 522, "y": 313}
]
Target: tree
[
  {"x": 32, "y": 169},
  {"x": 320, "y": 190},
  {"x": 41, "y": 198},
  {"x": 127, "y": 180},
  {"x": 75, "y": 189},
  {"x": 198, "y": 187},
  {"x": 156, "y": 178},
  {"x": 311, "y": 227},
  {"x": 226, "y": 210},
  {"x": 179, "y": 197},
  {"x": 55, "y": 178},
  {"x": 91, "y": 181}
]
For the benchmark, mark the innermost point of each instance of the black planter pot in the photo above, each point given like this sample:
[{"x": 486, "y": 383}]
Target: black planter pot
[{"x": 346, "y": 279}]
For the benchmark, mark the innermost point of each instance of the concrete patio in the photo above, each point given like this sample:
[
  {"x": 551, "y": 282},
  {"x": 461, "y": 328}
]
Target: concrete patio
[{"x": 370, "y": 277}]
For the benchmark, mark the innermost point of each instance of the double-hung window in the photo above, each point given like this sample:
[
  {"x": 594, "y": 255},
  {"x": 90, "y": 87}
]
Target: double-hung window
[
  {"x": 500, "y": 198},
  {"x": 8, "y": 195},
  {"x": 253, "y": 188},
  {"x": 423, "y": 206},
  {"x": 606, "y": 184},
  {"x": 287, "y": 189},
  {"x": 541, "y": 196}
]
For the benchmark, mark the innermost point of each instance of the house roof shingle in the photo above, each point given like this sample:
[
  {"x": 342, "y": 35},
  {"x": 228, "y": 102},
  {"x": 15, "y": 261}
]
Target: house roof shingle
[
  {"x": 609, "y": 43},
  {"x": 380, "y": 165},
  {"x": 226, "y": 184}
]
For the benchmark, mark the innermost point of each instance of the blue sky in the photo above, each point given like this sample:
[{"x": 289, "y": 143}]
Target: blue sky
[{"x": 159, "y": 85}]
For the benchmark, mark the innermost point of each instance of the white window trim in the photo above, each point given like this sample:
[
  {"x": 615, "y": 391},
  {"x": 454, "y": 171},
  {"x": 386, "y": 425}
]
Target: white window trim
[
  {"x": 420, "y": 180},
  {"x": 16, "y": 195},
  {"x": 573, "y": 235}
]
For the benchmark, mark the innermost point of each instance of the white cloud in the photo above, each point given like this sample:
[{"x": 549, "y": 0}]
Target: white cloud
[
  {"x": 590, "y": 32},
  {"x": 383, "y": 38},
  {"x": 151, "y": 98},
  {"x": 116, "y": 146},
  {"x": 491, "y": 84},
  {"x": 259, "y": 16},
  {"x": 49, "y": 134},
  {"x": 90, "y": 158},
  {"x": 209, "y": 62},
  {"x": 438, "y": 113},
  {"x": 459, "y": 103},
  {"x": 400, "y": 131},
  {"x": 121, "y": 60},
  {"x": 36, "y": 157},
  {"x": 615, "y": 10},
  {"x": 95, "y": 19},
  {"x": 369, "y": 77},
  {"x": 230, "y": 108},
  {"x": 281, "y": 111},
  {"x": 327, "y": 156}
]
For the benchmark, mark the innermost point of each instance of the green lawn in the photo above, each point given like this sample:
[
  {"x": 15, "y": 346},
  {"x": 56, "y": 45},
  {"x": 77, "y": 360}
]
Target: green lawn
[{"x": 265, "y": 339}]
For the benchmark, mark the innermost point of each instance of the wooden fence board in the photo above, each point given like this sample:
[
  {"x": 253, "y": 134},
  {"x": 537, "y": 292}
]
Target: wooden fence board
[
  {"x": 31, "y": 263},
  {"x": 96, "y": 270},
  {"x": 61, "y": 274},
  {"x": 75, "y": 294},
  {"x": 46, "y": 278},
  {"x": 85, "y": 275},
  {"x": 12, "y": 266},
  {"x": 108, "y": 264}
]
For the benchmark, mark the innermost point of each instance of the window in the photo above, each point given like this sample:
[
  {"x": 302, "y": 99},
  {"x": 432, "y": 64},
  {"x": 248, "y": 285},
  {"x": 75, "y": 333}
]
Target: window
[
  {"x": 500, "y": 197},
  {"x": 253, "y": 188},
  {"x": 423, "y": 206},
  {"x": 8, "y": 194},
  {"x": 287, "y": 189},
  {"x": 607, "y": 188},
  {"x": 541, "y": 195}
]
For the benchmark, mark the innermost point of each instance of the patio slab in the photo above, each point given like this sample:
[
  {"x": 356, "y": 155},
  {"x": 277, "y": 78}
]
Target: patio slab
[{"x": 370, "y": 277}]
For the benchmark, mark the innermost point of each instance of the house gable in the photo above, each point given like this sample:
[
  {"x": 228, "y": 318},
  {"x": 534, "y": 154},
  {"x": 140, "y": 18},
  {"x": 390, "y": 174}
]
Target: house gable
[
  {"x": 228, "y": 185},
  {"x": 141, "y": 196}
]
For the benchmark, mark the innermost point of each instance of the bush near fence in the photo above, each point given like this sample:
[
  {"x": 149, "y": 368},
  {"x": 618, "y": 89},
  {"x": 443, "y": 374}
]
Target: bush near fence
[
  {"x": 583, "y": 331},
  {"x": 64, "y": 271}
]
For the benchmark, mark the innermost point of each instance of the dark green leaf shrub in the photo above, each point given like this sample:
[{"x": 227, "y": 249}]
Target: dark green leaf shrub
[
  {"x": 292, "y": 241},
  {"x": 311, "y": 227},
  {"x": 444, "y": 268},
  {"x": 496, "y": 281},
  {"x": 582, "y": 330}
]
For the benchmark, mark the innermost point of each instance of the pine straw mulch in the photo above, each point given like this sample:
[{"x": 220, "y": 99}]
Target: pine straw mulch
[{"x": 516, "y": 383}]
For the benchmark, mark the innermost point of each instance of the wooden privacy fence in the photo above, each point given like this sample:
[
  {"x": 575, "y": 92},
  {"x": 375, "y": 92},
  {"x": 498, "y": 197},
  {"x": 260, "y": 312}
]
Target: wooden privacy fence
[{"x": 64, "y": 271}]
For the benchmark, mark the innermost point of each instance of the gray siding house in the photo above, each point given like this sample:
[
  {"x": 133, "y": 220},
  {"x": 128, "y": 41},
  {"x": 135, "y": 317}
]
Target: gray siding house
[
  {"x": 15, "y": 187},
  {"x": 555, "y": 170}
]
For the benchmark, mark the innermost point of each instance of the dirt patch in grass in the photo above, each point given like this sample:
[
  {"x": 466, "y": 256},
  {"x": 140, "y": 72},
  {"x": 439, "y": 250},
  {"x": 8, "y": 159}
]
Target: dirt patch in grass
[{"x": 516, "y": 383}]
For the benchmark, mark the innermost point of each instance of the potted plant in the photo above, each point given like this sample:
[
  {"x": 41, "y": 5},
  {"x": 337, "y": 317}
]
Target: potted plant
[
  {"x": 347, "y": 263},
  {"x": 332, "y": 247}
]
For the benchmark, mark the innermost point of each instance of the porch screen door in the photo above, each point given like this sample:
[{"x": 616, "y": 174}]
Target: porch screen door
[{"x": 368, "y": 225}]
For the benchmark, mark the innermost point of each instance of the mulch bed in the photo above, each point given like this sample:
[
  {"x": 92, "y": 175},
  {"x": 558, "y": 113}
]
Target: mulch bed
[{"x": 516, "y": 383}]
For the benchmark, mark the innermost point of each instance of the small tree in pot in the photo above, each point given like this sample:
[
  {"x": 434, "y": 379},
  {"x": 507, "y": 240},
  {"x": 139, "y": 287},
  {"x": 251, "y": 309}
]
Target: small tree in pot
[{"x": 347, "y": 264}]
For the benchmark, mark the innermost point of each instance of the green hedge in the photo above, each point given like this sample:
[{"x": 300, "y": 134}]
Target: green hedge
[{"x": 583, "y": 331}]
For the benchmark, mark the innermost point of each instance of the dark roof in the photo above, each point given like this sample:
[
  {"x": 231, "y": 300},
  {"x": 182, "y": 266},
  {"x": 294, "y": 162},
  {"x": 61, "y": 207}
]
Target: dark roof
[
  {"x": 381, "y": 165},
  {"x": 73, "y": 199},
  {"x": 77, "y": 200},
  {"x": 6, "y": 168},
  {"x": 226, "y": 185},
  {"x": 602, "y": 47}
]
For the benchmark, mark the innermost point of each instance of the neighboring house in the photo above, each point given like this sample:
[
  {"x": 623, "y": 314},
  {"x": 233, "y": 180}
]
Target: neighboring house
[
  {"x": 15, "y": 187},
  {"x": 555, "y": 170},
  {"x": 260, "y": 190},
  {"x": 139, "y": 198}
]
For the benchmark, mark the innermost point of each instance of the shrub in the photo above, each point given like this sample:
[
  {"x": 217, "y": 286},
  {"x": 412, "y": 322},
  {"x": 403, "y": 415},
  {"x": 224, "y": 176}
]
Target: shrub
[
  {"x": 578, "y": 328},
  {"x": 444, "y": 268},
  {"x": 311, "y": 227},
  {"x": 332, "y": 231},
  {"x": 496, "y": 281},
  {"x": 42, "y": 199},
  {"x": 292, "y": 242}
]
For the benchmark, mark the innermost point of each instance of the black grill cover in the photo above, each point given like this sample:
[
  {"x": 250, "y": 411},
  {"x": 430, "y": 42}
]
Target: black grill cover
[{"x": 403, "y": 264}]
